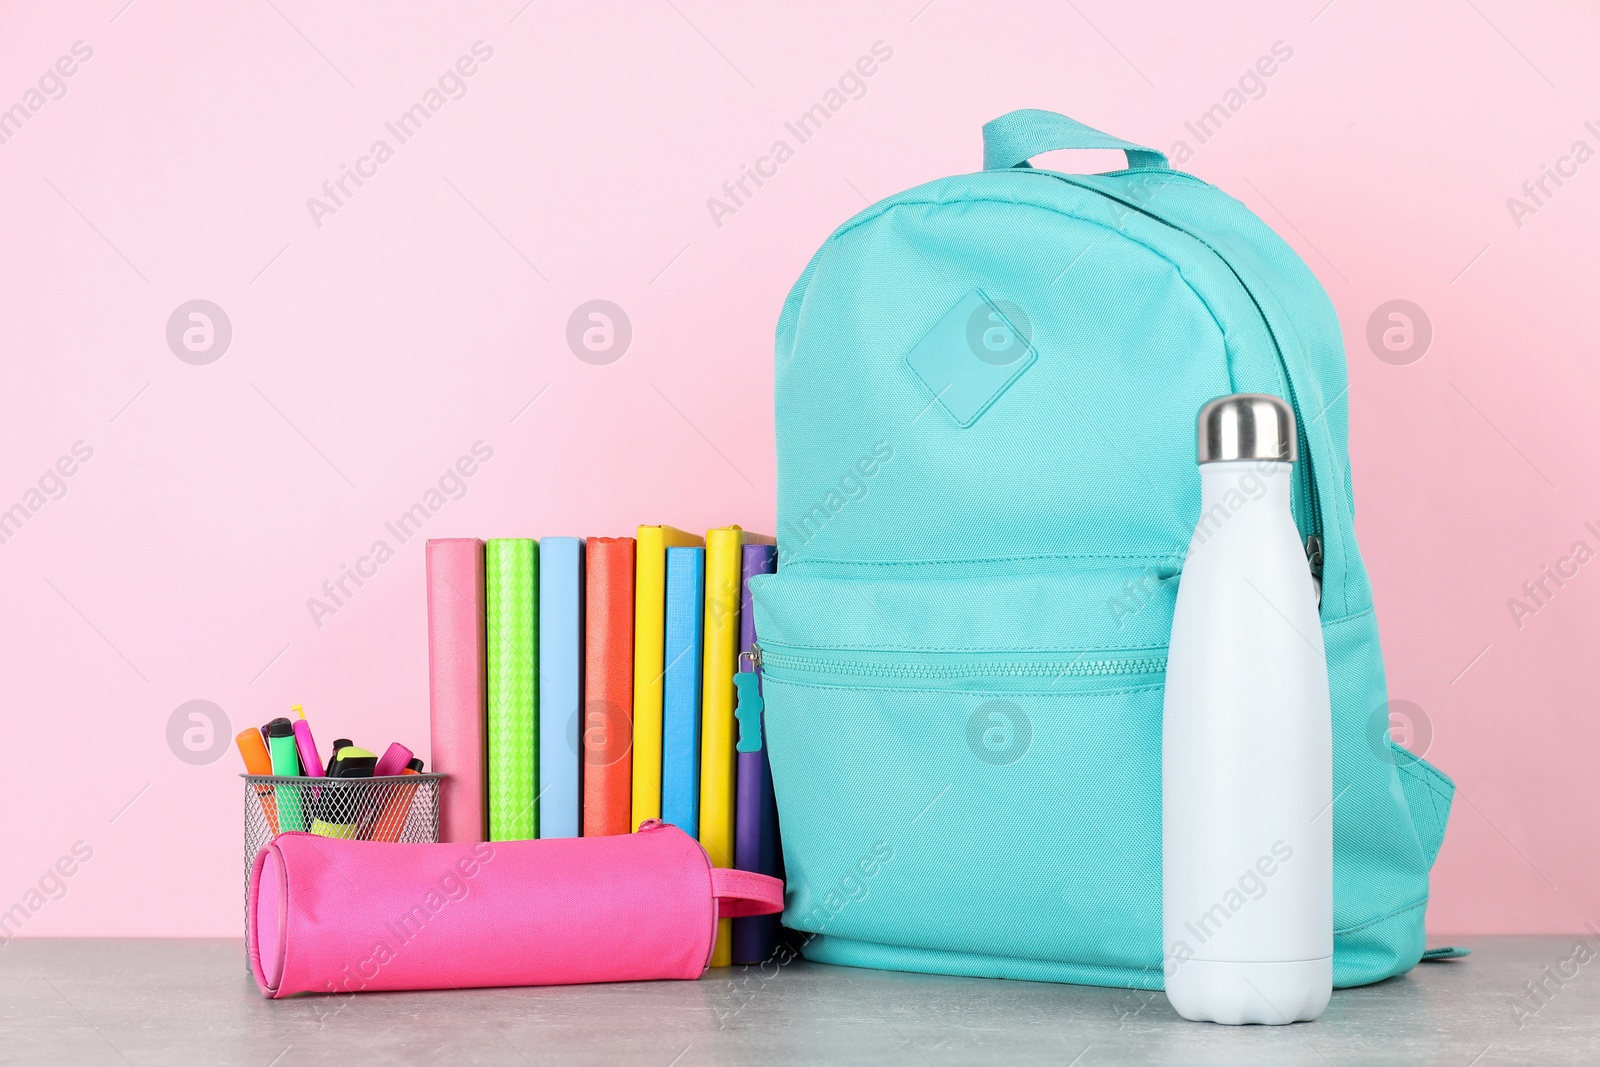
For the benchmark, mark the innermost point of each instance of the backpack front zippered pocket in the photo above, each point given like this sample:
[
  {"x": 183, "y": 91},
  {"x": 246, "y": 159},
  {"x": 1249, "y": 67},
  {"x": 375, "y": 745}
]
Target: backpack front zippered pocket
[
  {"x": 949, "y": 753},
  {"x": 931, "y": 806}
]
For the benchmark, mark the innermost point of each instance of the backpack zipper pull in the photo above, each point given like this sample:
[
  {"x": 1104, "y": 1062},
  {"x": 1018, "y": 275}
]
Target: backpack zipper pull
[
  {"x": 748, "y": 705},
  {"x": 747, "y": 712},
  {"x": 1314, "y": 558}
]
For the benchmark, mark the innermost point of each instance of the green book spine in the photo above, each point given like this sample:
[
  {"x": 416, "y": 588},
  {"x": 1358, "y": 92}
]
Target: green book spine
[{"x": 511, "y": 585}]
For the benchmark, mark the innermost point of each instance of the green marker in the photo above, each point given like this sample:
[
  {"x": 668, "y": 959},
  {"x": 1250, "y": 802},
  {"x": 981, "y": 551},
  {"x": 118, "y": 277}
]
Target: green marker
[{"x": 286, "y": 764}]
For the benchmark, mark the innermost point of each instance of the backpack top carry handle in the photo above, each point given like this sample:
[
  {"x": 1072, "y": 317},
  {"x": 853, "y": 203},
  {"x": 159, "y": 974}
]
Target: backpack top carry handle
[{"x": 1017, "y": 136}]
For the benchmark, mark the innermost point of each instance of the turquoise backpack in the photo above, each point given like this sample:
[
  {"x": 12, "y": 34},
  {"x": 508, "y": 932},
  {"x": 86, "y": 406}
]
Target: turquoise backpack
[{"x": 986, "y": 399}]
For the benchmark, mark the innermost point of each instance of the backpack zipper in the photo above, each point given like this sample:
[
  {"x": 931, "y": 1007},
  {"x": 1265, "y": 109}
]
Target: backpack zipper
[
  {"x": 861, "y": 668},
  {"x": 1314, "y": 558},
  {"x": 1313, "y": 536}
]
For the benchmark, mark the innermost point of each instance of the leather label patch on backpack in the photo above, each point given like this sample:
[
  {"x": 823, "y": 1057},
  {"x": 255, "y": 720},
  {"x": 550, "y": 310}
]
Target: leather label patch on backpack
[{"x": 973, "y": 354}]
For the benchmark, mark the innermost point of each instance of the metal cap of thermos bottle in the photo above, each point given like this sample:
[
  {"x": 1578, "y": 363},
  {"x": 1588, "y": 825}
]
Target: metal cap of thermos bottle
[{"x": 1247, "y": 426}]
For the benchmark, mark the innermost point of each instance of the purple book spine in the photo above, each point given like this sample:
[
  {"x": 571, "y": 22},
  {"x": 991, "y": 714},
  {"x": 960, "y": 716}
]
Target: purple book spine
[{"x": 755, "y": 830}]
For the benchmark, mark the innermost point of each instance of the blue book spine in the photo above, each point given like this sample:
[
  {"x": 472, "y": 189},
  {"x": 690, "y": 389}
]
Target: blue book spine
[
  {"x": 680, "y": 704},
  {"x": 560, "y": 683}
]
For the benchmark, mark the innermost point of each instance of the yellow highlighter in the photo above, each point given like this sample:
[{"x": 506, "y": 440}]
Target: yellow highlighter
[{"x": 338, "y": 813}]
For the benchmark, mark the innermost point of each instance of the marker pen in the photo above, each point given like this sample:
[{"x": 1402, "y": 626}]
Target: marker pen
[
  {"x": 310, "y": 761},
  {"x": 286, "y": 763},
  {"x": 337, "y": 816},
  {"x": 254, "y": 750},
  {"x": 354, "y": 762},
  {"x": 257, "y": 761},
  {"x": 392, "y": 820},
  {"x": 394, "y": 761}
]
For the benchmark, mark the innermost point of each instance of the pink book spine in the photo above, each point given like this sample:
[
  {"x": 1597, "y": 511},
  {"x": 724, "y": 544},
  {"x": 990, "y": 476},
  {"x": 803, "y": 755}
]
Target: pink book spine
[{"x": 456, "y": 685}]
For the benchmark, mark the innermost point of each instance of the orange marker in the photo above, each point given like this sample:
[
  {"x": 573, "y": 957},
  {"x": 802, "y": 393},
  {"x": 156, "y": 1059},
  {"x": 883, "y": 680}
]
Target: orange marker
[
  {"x": 393, "y": 818},
  {"x": 257, "y": 761}
]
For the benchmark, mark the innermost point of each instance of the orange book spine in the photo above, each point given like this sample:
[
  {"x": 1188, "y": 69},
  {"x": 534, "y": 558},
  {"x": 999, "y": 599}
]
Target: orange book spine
[{"x": 608, "y": 687}]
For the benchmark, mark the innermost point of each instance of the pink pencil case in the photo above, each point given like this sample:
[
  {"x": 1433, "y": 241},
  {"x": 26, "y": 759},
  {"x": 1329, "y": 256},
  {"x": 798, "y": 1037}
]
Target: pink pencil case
[{"x": 339, "y": 916}]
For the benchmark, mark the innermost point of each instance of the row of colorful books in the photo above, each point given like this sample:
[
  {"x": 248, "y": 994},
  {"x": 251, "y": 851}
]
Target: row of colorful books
[{"x": 584, "y": 686}]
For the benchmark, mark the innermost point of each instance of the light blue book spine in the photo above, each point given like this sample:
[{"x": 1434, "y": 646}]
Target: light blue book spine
[
  {"x": 680, "y": 704},
  {"x": 560, "y": 683}
]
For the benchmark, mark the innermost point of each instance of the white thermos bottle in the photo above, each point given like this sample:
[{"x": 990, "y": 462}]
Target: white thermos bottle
[{"x": 1247, "y": 741}]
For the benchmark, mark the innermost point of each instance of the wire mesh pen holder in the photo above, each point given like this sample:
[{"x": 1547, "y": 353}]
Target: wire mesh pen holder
[{"x": 399, "y": 808}]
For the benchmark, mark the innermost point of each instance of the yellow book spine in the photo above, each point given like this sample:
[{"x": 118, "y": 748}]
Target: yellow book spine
[
  {"x": 649, "y": 666},
  {"x": 717, "y": 758}
]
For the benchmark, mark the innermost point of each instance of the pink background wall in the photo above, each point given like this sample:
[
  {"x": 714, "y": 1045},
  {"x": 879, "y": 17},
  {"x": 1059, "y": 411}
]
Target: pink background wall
[{"x": 430, "y": 309}]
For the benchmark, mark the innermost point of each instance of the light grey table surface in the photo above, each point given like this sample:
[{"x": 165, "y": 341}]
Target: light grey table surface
[{"x": 189, "y": 1001}]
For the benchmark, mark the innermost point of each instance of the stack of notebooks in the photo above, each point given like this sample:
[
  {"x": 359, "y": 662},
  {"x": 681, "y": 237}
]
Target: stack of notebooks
[{"x": 582, "y": 687}]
